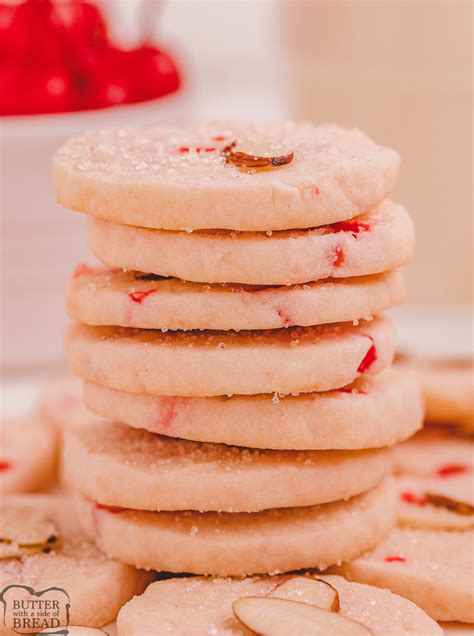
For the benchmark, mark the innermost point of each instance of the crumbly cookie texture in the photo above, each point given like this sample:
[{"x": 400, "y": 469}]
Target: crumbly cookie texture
[
  {"x": 205, "y": 604},
  {"x": 103, "y": 297},
  {"x": 374, "y": 411},
  {"x": 235, "y": 544},
  {"x": 432, "y": 568},
  {"x": 180, "y": 178},
  {"x": 117, "y": 465},
  {"x": 375, "y": 242},
  {"x": 54, "y": 551},
  {"x": 211, "y": 363}
]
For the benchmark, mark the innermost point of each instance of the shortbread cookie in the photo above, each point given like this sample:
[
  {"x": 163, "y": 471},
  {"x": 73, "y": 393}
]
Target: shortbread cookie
[
  {"x": 201, "y": 605},
  {"x": 121, "y": 466},
  {"x": 436, "y": 503},
  {"x": 435, "y": 453},
  {"x": 375, "y": 411},
  {"x": 293, "y": 360},
  {"x": 44, "y": 547},
  {"x": 244, "y": 543},
  {"x": 60, "y": 403},
  {"x": 104, "y": 297},
  {"x": 181, "y": 178},
  {"x": 448, "y": 385},
  {"x": 432, "y": 568},
  {"x": 28, "y": 449},
  {"x": 378, "y": 241}
]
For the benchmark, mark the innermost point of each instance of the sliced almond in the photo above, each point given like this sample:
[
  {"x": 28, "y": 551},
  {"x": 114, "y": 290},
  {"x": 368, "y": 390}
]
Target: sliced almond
[
  {"x": 454, "y": 505},
  {"x": 433, "y": 518},
  {"x": 257, "y": 155},
  {"x": 275, "y": 616},
  {"x": 311, "y": 591},
  {"x": 24, "y": 532}
]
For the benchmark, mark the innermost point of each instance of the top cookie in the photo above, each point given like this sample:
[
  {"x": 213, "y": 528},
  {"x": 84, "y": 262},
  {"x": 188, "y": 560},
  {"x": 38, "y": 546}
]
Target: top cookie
[{"x": 184, "y": 178}]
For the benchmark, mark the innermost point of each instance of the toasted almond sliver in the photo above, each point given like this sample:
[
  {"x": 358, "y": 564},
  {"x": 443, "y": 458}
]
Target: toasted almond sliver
[
  {"x": 454, "y": 505},
  {"x": 433, "y": 518},
  {"x": 257, "y": 155},
  {"x": 24, "y": 531},
  {"x": 280, "y": 617},
  {"x": 308, "y": 590}
]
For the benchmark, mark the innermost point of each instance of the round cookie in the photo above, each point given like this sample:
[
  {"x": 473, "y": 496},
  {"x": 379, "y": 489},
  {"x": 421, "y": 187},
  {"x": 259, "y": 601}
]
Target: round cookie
[
  {"x": 434, "y": 453},
  {"x": 436, "y": 503},
  {"x": 377, "y": 241},
  {"x": 103, "y": 297},
  {"x": 432, "y": 568},
  {"x": 234, "y": 544},
  {"x": 96, "y": 585},
  {"x": 375, "y": 411},
  {"x": 178, "y": 178},
  {"x": 60, "y": 403},
  {"x": 116, "y": 465},
  {"x": 27, "y": 456},
  {"x": 293, "y": 360},
  {"x": 448, "y": 386},
  {"x": 200, "y": 605}
]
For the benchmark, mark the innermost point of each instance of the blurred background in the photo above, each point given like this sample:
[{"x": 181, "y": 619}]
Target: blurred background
[{"x": 399, "y": 69}]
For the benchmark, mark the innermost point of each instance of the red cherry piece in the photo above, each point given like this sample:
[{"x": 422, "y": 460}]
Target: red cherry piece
[
  {"x": 169, "y": 413},
  {"x": 450, "y": 470},
  {"x": 338, "y": 256},
  {"x": 395, "y": 557},
  {"x": 4, "y": 465},
  {"x": 219, "y": 138},
  {"x": 183, "y": 149},
  {"x": 369, "y": 358},
  {"x": 412, "y": 498},
  {"x": 350, "y": 226},
  {"x": 315, "y": 191},
  {"x": 139, "y": 296},
  {"x": 285, "y": 319}
]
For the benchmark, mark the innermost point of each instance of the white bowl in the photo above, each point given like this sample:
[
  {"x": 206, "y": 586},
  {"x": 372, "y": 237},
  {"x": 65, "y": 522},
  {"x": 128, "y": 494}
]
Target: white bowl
[{"x": 41, "y": 242}]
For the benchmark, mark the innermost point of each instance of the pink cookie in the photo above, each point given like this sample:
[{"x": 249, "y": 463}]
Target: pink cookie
[
  {"x": 378, "y": 241},
  {"x": 234, "y": 544},
  {"x": 178, "y": 178},
  {"x": 28, "y": 451},
  {"x": 121, "y": 466},
  {"x": 448, "y": 385},
  {"x": 132, "y": 299},
  {"x": 293, "y": 360},
  {"x": 431, "y": 568},
  {"x": 436, "y": 502},
  {"x": 96, "y": 585},
  {"x": 434, "y": 453},
  {"x": 376, "y": 411},
  {"x": 201, "y": 605}
]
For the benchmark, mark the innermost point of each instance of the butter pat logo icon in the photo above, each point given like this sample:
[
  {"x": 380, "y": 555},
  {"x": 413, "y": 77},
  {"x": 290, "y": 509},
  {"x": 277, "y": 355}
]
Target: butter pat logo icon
[{"x": 26, "y": 611}]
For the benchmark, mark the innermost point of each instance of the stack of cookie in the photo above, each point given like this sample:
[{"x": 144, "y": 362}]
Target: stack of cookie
[{"x": 234, "y": 344}]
